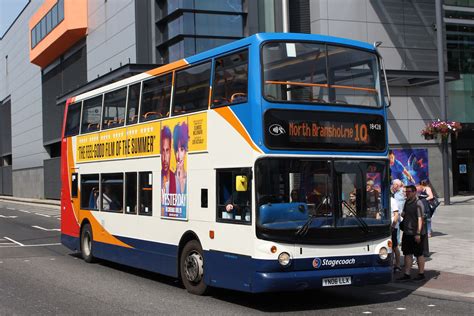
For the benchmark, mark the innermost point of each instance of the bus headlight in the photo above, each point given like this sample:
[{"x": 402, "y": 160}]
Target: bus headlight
[
  {"x": 284, "y": 259},
  {"x": 383, "y": 253}
]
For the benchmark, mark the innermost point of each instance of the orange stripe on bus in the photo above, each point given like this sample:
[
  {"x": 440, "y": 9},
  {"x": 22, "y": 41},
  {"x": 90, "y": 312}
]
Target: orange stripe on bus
[
  {"x": 166, "y": 68},
  {"x": 322, "y": 85},
  {"x": 230, "y": 117},
  {"x": 100, "y": 234}
]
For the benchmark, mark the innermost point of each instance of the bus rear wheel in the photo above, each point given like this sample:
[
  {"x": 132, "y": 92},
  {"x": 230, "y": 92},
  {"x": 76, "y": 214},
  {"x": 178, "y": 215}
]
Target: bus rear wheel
[
  {"x": 86, "y": 243},
  {"x": 192, "y": 268}
]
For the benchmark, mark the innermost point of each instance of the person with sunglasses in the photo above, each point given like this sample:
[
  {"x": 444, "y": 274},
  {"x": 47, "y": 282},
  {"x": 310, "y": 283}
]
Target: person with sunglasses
[{"x": 414, "y": 234}]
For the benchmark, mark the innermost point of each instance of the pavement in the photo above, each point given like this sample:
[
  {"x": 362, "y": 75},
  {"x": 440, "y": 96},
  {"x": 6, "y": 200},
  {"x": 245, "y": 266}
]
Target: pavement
[{"x": 449, "y": 270}]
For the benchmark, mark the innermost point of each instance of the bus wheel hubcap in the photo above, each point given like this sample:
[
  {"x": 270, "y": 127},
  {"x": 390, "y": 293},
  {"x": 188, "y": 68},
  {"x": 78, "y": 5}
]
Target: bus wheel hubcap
[
  {"x": 86, "y": 244},
  {"x": 193, "y": 267}
]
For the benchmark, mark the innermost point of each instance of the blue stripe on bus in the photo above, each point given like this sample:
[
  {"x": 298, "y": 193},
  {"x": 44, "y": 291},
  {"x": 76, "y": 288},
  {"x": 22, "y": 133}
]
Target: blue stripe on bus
[
  {"x": 70, "y": 242},
  {"x": 240, "y": 272}
]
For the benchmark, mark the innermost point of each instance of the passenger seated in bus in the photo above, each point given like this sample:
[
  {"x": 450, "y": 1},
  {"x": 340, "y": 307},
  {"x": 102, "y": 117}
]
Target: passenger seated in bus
[
  {"x": 320, "y": 198},
  {"x": 239, "y": 205},
  {"x": 373, "y": 199},
  {"x": 318, "y": 194},
  {"x": 294, "y": 196},
  {"x": 109, "y": 203},
  {"x": 350, "y": 207},
  {"x": 93, "y": 198}
]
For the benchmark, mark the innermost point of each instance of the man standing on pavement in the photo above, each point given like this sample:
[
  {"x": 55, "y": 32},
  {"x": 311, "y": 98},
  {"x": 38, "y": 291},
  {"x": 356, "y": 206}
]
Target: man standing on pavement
[
  {"x": 399, "y": 196},
  {"x": 414, "y": 232}
]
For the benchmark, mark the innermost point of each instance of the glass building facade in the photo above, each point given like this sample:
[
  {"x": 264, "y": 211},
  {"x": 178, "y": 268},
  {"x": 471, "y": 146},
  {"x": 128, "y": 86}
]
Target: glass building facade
[{"x": 187, "y": 27}]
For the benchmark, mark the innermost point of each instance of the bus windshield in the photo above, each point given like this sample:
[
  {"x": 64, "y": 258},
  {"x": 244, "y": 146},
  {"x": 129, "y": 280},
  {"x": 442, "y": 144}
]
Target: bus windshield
[
  {"x": 304, "y": 72},
  {"x": 298, "y": 198}
]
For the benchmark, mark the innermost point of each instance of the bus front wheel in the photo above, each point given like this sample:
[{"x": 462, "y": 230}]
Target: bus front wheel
[
  {"x": 192, "y": 268},
  {"x": 86, "y": 243}
]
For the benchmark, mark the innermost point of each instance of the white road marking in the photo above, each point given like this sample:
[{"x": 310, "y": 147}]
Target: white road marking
[
  {"x": 14, "y": 241},
  {"x": 46, "y": 229},
  {"x": 366, "y": 312},
  {"x": 26, "y": 246},
  {"x": 11, "y": 208},
  {"x": 401, "y": 308},
  {"x": 431, "y": 305},
  {"x": 42, "y": 215},
  {"x": 24, "y": 211},
  {"x": 5, "y": 216}
]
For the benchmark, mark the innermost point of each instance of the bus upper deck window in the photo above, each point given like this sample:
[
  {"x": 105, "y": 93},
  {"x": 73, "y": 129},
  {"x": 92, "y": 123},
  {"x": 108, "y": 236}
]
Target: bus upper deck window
[
  {"x": 132, "y": 107},
  {"x": 156, "y": 96},
  {"x": 114, "y": 108},
  {"x": 230, "y": 79},
  {"x": 191, "y": 91},
  {"x": 73, "y": 119},
  {"x": 91, "y": 114}
]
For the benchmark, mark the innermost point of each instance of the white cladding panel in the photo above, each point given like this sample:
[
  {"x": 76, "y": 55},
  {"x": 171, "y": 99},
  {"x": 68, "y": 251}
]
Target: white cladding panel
[
  {"x": 111, "y": 40},
  {"x": 21, "y": 80}
]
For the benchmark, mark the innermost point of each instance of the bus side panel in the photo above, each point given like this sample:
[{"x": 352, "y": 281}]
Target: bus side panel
[
  {"x": 166, "y": 255},
  {"x": 228, "y": 270},
  {"x": 151, "y": 256}
]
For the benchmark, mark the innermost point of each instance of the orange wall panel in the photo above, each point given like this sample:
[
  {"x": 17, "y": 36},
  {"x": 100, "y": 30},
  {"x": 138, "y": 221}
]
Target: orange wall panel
[{"x": 63, "y": 36}]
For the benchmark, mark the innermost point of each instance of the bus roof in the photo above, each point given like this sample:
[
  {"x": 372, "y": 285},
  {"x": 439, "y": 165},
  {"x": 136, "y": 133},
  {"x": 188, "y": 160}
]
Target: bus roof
[
  {"x": 254, "y": 39},
  {"x": 261, "y": 37}
]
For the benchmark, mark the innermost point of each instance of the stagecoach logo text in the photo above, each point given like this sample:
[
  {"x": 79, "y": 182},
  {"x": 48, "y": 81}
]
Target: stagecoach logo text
[
  {"x": 276, "y": 130},
  {"x": 317, "y": 263}
]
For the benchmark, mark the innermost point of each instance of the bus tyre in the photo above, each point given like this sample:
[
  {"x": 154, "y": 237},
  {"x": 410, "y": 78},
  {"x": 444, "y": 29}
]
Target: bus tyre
[
  {"x": 192, "y": 268},
  {"x": 86, "y": 243}
]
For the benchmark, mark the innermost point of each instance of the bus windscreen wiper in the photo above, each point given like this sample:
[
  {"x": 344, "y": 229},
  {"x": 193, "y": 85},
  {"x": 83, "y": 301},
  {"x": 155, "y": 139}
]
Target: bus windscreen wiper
[
  {"x": 362, "y": 224},
  {"x": 305, "y": 228}
]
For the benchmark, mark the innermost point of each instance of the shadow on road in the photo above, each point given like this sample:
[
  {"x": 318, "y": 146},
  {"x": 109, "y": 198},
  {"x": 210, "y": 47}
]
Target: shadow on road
[{"x": 320, "y": 299}]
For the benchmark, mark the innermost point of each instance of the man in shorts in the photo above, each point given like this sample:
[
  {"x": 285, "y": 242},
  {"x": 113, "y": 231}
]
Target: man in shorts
[{"x": 414, "y": 233}]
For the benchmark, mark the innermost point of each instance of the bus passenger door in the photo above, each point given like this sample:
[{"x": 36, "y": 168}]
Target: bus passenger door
[{"x": 229, "y": 258}]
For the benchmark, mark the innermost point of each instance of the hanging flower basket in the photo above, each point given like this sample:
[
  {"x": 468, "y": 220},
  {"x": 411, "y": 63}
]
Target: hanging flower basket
[{"x": 440, "y": 128}]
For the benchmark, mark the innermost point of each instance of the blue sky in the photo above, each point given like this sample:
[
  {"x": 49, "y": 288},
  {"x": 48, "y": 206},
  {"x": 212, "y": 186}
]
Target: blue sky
[{"x": 9, "y": 10}]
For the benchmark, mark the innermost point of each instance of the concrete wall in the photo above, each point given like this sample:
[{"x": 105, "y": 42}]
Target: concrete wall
[
  {"x": 22, "y": 80},
  {"x": 111, "y": 36},
  {"x": 28, "y": 183}
]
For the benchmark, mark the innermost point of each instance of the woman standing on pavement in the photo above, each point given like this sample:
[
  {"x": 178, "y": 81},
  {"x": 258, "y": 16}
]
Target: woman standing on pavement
[{"x": 426, "y": 195}]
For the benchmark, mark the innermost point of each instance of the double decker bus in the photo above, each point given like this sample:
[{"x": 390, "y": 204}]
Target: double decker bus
[{"x": 260, "y": 165}]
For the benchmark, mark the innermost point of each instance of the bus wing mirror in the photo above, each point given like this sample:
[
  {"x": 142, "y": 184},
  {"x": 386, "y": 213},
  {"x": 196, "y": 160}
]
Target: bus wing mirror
[
  {"x": 241, "y": 183},
  {"x": 386, "y": 96}
]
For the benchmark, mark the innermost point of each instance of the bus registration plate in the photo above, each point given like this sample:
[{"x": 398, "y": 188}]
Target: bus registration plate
[{"x": 346, "y": 280}]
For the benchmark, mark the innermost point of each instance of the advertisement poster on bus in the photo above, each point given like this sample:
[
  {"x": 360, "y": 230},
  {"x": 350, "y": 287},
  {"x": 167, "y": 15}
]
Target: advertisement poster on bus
[
  {"x": 174, "y": 151},
  {"x": 409, "y": 165}
]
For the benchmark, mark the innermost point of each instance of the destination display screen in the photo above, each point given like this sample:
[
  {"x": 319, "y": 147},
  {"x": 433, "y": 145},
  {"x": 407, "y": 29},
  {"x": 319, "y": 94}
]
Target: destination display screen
[{"x": 316, "y": 130}]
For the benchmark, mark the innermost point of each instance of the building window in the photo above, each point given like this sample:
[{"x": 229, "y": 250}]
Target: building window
[
  {"x": 47, "y": 23},
  {"x": 189, "y": 27}
]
